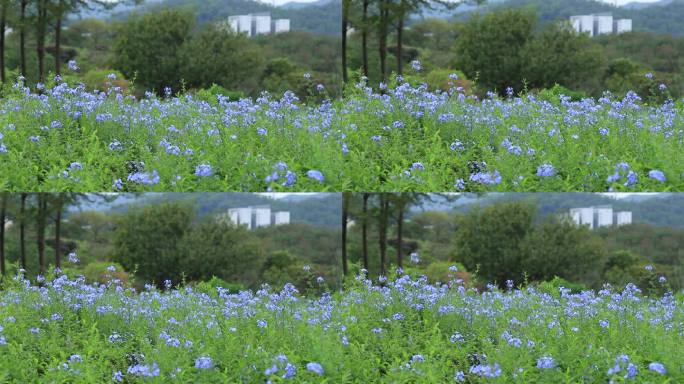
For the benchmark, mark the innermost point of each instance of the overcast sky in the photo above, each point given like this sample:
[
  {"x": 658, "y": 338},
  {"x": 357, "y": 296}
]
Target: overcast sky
[{"x": 623, "y": 2}]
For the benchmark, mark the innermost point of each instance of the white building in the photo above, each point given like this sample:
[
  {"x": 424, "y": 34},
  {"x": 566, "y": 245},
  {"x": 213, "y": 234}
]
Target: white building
[
  {"x": 583, "y": 24},
  {"x": 600, "y": 217},
  {"x": 281, "y": 25},
  {"x": 257, "y": 24},
  {"x": 624, "y": 218},
  {"x": 583, "y": 216},
  {"x": 241, "y": 24},
  {"x": 281, "y": 218},
  {"x": 262, "y": 216},
  {"x": 600, "y": 24},
  {"x": 241, "y": 216},
  {"x": 603, "y": 24},
  {"x": 623, "y": 25},
  {"x": 255, "y": 217}
]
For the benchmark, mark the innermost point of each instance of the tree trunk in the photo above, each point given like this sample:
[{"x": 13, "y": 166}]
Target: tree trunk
[
  {"x": 400, "y": 43},
  {"x": 22, "y": 227},
  {"x": 400, "y": 234},
  {"x": 3, "y": 25},
  {"x": 364, "y": 231},
  {"x": 3, "y": 218},
  {"x": 364, "y": 38},
  {"x": 58, "y": 227},
  {"x": 383, "y": 219},
  {"x": 22, "y": 38},
  {"x": 345, "y": 24},
  {"x": 382, "y": 38},
  {"x": 40, "y": 231},
  {"x": 345, "y": 219},
  {"x": 58, "y": 45},
  {"x": 41, "y": 26}
]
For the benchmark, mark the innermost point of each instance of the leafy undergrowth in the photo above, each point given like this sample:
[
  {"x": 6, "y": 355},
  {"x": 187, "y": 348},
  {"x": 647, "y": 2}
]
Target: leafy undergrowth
[
  {"x": 408, "y": 138},
  {"x": 405, "y": 330}
]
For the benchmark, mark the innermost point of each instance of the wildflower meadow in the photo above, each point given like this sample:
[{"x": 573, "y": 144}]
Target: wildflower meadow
[
  {"x": 403, "y": 329},
  {"x": 403, "y": 137}
]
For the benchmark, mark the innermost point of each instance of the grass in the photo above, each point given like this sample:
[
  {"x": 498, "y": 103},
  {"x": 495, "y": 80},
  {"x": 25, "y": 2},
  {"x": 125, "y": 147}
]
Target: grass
[
  {"x": 407, "y": 139},
  {"x": 405, "y": 331}
]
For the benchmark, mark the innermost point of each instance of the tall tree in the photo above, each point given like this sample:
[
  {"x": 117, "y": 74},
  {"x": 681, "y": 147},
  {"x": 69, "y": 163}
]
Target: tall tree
[
  {"x": 383, "y": 223},
  {"x": 41, "y": 224},
  {"x": 346, "y": 4},
  {"x": 22, "y": 37},
  {"x": 22, "y": 230},
  {"x": 345, "y": 221},
  {"x": 383, "y": 31},
  {"x": 41, "y": 25},
  {"x": 364, "y": 37},
  {"x": 364, "y": 230},
  {"x": 4, "y": 5},
  {"x": 58, "y": 201},
  {"x": 3, "y": 221}
]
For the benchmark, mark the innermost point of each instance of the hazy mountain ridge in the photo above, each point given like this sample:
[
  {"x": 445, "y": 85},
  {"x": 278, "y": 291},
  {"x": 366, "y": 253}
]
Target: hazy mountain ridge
[
  {"x": 664, "y": 17},
  {"x": 319, "y": 209},
  {"x": 662, "y": 210}
]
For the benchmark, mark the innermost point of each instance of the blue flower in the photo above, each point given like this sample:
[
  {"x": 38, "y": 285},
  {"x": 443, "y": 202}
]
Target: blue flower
[
  {"x": 486, "y": 178},
  {"x": 315, "y": 368},
  {"x": 546, "y": 170},
  {"x": 417, "y": 166},
  {"x": 315, "y": 175},
  {"x": 657, "y": 367},
  {"x": 204, "y": 362},
  {"x": 203, "y": 170},
  {"x": 144, "y": 370},
  {"x": 546, "y": 362},
  {"x": 144, "y": 178},
  {"x": 657, "y": 175}
]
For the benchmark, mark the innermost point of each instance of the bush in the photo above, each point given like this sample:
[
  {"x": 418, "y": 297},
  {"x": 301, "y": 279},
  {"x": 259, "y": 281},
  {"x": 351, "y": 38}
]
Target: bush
[
  {"x": 98, "y": 272},
  {"x": 98, "y": 79},
  {"x": 211, "y": 94},
  {"x": 552, "y": 287}
]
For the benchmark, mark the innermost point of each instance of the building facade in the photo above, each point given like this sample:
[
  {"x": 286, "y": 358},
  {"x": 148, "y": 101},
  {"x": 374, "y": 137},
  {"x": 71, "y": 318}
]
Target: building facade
[
  {"x": 257, "y": 24},
  {"x": 599, "y": 217},
  {"x": 255, "y": 217},
  {"x": 600, "y": 24}
]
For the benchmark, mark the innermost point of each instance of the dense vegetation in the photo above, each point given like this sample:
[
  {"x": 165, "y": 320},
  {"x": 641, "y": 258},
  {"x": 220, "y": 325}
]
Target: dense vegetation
[
  {"x": 658, "y": 19},
  {"x": 517, "y": 238},
  {"x": 173, "y": 47},
  {"x": 404, "y": 330},
  {"x": 162, "y": 240},
  {"x": 406, "y": 138}
]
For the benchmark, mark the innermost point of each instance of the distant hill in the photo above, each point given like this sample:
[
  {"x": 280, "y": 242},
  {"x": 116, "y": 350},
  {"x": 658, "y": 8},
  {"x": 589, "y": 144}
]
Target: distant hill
[
  {"x": 665, "y": 17},
  {"x": 322, "y": 17},
  {"x": 661, "y": 210},
  {"x": 639, "y": 5}
]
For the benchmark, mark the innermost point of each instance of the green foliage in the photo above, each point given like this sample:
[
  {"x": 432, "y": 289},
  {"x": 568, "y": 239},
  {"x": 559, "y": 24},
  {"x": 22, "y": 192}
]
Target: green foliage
[
  {"x": 502, "y": 50},
  {"x": 211, "y": 94},
  {"x": 553, "y": 94},
  {"x": 99, "y": 271},
  {"x": 97, "y": 79},
  {"x": 553, "y": 286},
  {"x": 211, "y": 286},
  {"x": 147, "y": 241},
  {"x": 218, "y": 56},
  {"x": 151, "y": 48},
  {"x": 502, "y": 242},
  {"x": 491, "y": 48},
  {"x": 222, "y": 250}
]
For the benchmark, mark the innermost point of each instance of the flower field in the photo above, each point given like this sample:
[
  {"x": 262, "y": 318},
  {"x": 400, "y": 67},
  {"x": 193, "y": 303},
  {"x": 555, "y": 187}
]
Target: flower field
[
  {"x": 405, "y": 139},
  {"x": 404, "y": 330}
]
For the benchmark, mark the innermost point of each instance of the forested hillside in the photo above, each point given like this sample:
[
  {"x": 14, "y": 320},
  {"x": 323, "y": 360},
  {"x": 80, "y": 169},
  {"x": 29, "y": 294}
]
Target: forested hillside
[
  {"x": 661, "y": 19},
  {"x": 322, "y": 18}
]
